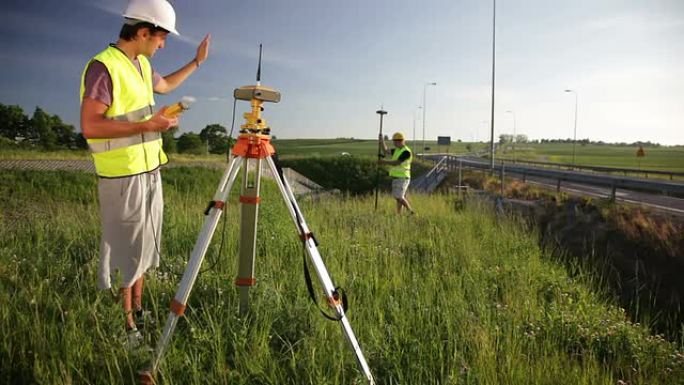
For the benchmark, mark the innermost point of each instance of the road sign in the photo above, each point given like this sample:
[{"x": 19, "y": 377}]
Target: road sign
[{"x": 443, "y": 140}]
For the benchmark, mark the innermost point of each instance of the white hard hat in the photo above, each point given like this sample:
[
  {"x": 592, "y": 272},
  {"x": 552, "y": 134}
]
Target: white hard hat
[{"x": 157, "y": 12}]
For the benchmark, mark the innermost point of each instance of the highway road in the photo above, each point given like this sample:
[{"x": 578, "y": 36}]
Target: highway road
[
  {"x": 590, "y": 184},
  {"x": 664, "y": 203}
]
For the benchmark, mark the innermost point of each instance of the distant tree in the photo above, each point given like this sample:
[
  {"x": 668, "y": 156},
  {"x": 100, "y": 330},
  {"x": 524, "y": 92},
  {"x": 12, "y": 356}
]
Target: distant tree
[
  {"x": 191, "y": 143},
  {"x": 80, "y": 141},
  {"x": 6, "y": 143},
  {"x": 505, "y": 138},
  {"x": 521, "y": 138},
  {"x": 40, "y": 130},
  {"x": 215, "y": 136},
  {"x": 169, "y": 143},
  {"x": 13, "y": 121},
  {"x": 65, "y": 133}
]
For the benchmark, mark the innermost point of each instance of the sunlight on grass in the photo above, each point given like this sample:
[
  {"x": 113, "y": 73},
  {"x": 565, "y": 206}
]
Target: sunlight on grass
[{"x": 444, "y": 297}]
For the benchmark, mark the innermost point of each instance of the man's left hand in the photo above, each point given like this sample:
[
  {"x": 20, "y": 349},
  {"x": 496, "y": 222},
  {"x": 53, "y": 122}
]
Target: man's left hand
[{"x": 203, "y": 49}]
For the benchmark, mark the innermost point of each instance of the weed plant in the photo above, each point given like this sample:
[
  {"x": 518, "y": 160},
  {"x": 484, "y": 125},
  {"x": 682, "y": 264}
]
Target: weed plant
[{"x": 444, "y": 297}]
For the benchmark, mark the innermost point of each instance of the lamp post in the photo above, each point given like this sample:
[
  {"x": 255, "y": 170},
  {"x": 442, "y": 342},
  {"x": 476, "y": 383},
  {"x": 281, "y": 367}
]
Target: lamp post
[
  {"x": 414, "y": 126},
  {"x": 491, "y": 143},
  {"x": 514, "y": 137},
  {"x": 574, "y": 140},
  {"x": 424, "y": 112}
]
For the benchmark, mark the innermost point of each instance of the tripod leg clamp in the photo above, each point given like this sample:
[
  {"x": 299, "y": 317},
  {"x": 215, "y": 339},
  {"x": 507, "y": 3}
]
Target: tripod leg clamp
[
  {"x": 177, "y": 308},
  {"x": 245, "y": 281},
  {"x": 218, "y": 204},
  {"x": 305, "y": 237},
  {"x": 250, "y": 200},
  {"x": 335, "y": 299}
]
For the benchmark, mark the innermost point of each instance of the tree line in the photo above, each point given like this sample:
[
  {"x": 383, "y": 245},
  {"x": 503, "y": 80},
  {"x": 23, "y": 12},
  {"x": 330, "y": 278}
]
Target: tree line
[
  {"x": 43, "y": 131},
  {"x": 47, "y": 132},
  {"x": 508, "y": 138}
]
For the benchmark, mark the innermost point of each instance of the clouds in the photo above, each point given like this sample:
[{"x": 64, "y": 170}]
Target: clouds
[{"x": 335, "y": 63}]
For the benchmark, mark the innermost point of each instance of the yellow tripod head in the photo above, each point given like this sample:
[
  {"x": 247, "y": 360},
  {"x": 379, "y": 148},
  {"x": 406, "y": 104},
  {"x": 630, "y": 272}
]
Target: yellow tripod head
[{"x": 256, "y": 95}]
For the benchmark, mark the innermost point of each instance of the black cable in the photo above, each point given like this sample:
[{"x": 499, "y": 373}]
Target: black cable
[{"x": 338, "y": 292}]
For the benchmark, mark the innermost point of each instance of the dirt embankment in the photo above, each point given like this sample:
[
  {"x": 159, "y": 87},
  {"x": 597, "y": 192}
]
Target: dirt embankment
[{"x": 637, "y": 253}]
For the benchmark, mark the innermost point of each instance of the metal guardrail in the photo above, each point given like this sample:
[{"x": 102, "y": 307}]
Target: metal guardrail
[
  {"x": 604, "y": 169},
  {"x": 610, "y": 181},
  {"x": 430, "y": 181}
]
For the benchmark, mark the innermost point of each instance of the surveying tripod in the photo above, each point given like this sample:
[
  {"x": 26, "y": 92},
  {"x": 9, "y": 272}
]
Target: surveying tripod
[{"x": 252, "y": 147}]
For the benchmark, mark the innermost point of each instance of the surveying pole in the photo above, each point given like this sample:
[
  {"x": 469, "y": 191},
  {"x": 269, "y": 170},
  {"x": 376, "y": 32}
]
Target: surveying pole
[
  {"x": 382, "y": 113},
  {"x": 252, "y": 148}
]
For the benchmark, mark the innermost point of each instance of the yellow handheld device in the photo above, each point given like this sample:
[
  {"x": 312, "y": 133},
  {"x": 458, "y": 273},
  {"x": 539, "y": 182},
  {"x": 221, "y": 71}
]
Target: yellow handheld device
[{"x": 178, "y": 108}]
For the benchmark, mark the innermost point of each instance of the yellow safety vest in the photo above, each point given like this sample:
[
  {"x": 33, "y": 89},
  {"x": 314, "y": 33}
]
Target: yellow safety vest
[
  {"x": 132, "y": 101},
  {"x": 403, "y": 169}
]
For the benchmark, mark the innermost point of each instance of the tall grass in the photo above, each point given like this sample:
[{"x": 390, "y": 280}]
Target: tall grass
[{"x": 445, "y": 297}]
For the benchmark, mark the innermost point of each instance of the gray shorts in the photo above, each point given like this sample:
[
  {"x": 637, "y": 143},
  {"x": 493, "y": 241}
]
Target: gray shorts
[
  {"x": 399, "y": 187},
  {"x": 131, "y": 211}
]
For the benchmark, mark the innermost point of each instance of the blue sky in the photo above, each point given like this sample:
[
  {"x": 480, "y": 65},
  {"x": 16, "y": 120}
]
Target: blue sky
[{"x": 336, "y": 63}]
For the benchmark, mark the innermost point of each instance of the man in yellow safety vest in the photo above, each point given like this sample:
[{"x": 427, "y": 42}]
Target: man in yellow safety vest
[
  {"x": 400, "y": 170},
  {"x": 124, "y": 136}
]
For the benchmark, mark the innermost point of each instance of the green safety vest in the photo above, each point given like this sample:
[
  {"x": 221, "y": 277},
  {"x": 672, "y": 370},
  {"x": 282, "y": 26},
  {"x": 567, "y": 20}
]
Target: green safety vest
[
  {"x": 403, "y": 169},
  {"x": 132, "y": 101}
]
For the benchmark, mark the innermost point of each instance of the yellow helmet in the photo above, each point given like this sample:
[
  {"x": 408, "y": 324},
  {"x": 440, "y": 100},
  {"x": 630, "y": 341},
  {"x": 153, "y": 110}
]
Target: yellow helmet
[{"x": 398, "y": 136}]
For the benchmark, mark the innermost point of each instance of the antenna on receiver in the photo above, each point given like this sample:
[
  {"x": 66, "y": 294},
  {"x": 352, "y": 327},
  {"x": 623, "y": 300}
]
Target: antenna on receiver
[
  {"x": 259, "y": 67},
  {"x": 257, "y": 92}
]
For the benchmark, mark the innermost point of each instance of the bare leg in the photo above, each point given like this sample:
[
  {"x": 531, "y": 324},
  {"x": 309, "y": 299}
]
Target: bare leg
[
  {"x": 137, "y": 293},
  {"x": 404, "y": 202},
  {"x": 399, "y": 205},
  {"x": 125, "y": 295}
]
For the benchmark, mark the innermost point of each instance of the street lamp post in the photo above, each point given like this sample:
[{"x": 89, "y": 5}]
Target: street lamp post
[
  {"x": 514, "y": 137},
  {"x": 574, "y": 139},
  {"x": 491, "y": 143},
  {"x": 414, "y": 126},
  {"x": 424, "y": 112}
]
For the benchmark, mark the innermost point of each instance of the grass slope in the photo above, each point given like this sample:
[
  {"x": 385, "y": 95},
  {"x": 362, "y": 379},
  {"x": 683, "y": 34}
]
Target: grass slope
[{"x": 447, "y": 297}]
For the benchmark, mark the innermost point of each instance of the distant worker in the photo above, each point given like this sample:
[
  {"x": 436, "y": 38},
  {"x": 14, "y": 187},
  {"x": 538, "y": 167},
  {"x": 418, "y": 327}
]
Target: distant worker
[
  {"x": 124, "y": 136},
  {"x": 400, "y": 170}
]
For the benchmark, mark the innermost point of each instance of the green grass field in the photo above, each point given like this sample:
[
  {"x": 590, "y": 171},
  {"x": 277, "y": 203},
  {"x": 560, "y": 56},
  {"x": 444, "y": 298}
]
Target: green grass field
[
  {"x": 657, "y": 158},
  {"x": 446, "y": 297},
  {"x": 359, "y": 147}
]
